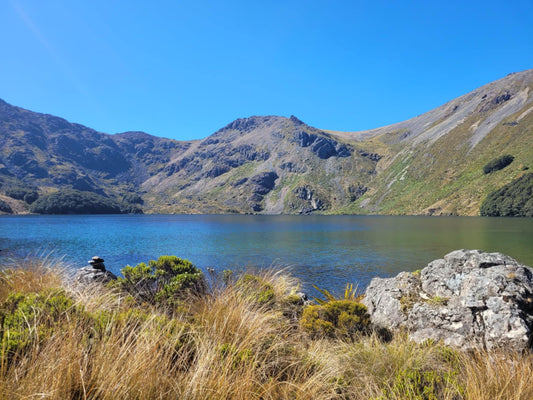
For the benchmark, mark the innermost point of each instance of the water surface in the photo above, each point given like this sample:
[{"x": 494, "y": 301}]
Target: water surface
[{"x": 328, "y": 251}]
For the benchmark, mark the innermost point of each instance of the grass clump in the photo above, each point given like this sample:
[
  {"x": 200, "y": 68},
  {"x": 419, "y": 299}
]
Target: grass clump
[
  {"x": 256, "y": 288},
  {"x": 438, "y": 301}
]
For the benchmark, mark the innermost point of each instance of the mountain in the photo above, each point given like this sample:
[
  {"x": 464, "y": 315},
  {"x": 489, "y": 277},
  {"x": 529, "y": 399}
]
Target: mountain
[
  {"x": 431, "y": 164},
  {"x": 44, "y": 152},
  {"x": 263, "y": 164}
]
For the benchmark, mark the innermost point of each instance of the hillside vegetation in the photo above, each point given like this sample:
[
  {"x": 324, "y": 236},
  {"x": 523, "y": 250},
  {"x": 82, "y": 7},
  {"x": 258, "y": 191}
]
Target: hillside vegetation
[
  {"x": 512, "y": 200},
  {"x": 443, "y": 162},
  {"x": 70, "y": 201},
  {"x": 239, "y": 338}
]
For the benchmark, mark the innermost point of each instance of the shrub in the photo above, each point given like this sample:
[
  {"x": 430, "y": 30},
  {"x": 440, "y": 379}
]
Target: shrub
[
  {"x": 512, "y": 200},
  {"x": 4, "y": 207},
  {"x": 166, "y": 280},
  {"x": 423, "y": 385},
  {"x": 75, "y": 202},
  {"x": 341, "y": 318},
  {"x": 28, "y": 195},
  {"x": 28, "y": 318},
  {"x": 498, "y": 163}
]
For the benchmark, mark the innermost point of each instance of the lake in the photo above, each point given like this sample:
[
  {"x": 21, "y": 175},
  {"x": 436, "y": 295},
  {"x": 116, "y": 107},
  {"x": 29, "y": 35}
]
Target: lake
[{"x": 328, "y": 251}]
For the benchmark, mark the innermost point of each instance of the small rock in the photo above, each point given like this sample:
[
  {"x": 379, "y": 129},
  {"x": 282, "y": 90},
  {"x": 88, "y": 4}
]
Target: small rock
[
  {"x": 97, "y": 263},
  {"x": 95, "y": 273}
]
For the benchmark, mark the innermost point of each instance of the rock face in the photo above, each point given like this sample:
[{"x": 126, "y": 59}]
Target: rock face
[
  {"x": 470, "y": 299},
  {"x": 323, "y": 147},
  {"x": 306, "y": 200},
  {"x": 96, "y": 272}
]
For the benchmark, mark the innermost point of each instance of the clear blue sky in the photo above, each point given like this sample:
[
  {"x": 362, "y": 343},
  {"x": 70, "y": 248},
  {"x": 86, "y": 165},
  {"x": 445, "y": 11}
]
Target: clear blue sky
[{"x": 184, "y": 68}]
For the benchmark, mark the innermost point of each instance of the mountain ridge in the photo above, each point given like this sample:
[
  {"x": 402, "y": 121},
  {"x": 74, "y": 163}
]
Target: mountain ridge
[{"x": 430, "y": 164}]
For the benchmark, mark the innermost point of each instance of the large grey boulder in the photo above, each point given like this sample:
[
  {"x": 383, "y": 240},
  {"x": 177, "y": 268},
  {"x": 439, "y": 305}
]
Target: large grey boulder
[{"x": 470, "y": 299}]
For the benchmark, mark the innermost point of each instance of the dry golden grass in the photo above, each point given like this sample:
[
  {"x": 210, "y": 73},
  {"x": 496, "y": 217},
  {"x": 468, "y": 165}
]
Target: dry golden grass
[
  {"x": 497, "y": 375},
  {"x": 31, "y": 274},
  {"x": 225, "y": 345}
]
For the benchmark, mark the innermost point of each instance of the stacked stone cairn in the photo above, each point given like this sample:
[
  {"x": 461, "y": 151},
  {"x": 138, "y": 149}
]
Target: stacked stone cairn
[{"x": 96, "y": 272}]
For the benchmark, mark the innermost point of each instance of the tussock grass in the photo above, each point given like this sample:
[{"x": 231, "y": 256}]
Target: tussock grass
[
  {"x": 31, "y": 274},
  {"x": 93, "y": 342},
  {"x": 498, "y": 375}
]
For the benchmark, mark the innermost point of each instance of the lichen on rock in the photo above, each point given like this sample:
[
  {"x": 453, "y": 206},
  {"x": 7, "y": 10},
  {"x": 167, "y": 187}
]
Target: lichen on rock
[{"x": 469, "y": 299}]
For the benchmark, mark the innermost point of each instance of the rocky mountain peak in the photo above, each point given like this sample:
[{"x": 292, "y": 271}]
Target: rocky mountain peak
[{"x": 251, "y": 123}]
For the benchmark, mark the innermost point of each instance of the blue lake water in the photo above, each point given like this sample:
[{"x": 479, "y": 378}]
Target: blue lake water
[{"x": 328, "y": 251}]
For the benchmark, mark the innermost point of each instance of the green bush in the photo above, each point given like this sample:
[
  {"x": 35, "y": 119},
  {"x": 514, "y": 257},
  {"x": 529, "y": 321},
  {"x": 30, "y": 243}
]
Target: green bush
[
  {"x": 512, "y": 200},
  {"x": 498, "y": 163},
  {"x": 75, "y": 202},
  {"x": 28, "y": 195},
  {"x": 4, "y": 207},
  {"x": 422, "y": 385},
  {"x": 166, "y": 280},
  {"x": 336, "y": 318},
  {"x": 28, "y": 318}
]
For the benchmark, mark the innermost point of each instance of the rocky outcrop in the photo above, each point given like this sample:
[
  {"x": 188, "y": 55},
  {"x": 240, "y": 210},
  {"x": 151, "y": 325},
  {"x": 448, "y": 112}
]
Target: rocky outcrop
[
  {"x": 306, "y": 200},
  {"x": 260, "y": 185},
  {"x": 371, "y": 156},
  {"x": 470, "y": 299},
  {"x": 96, "y": 272},
  {"x": 264, "y": 182},
  {"x": 356, "y": 191},
  {"x": 322, "y": 146}
]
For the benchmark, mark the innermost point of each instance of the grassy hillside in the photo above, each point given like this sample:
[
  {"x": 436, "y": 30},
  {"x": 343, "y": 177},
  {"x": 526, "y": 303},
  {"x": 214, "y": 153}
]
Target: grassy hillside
[
  {"x": 442, "y": 173},
  {"x": 447, "y": 177}
]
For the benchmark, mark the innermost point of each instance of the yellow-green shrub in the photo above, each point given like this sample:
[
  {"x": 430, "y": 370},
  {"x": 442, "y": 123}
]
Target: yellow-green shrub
[
  {"x": 342, "y": 318},
  {"x": 27, "y": 318}
]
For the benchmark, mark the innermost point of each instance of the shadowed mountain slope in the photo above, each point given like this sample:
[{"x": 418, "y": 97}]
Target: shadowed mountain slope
[{"x": 48, "y": 153}]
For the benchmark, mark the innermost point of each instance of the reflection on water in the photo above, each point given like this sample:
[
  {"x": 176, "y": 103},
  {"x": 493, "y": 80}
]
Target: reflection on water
[{"x": 324, "y": 250}]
